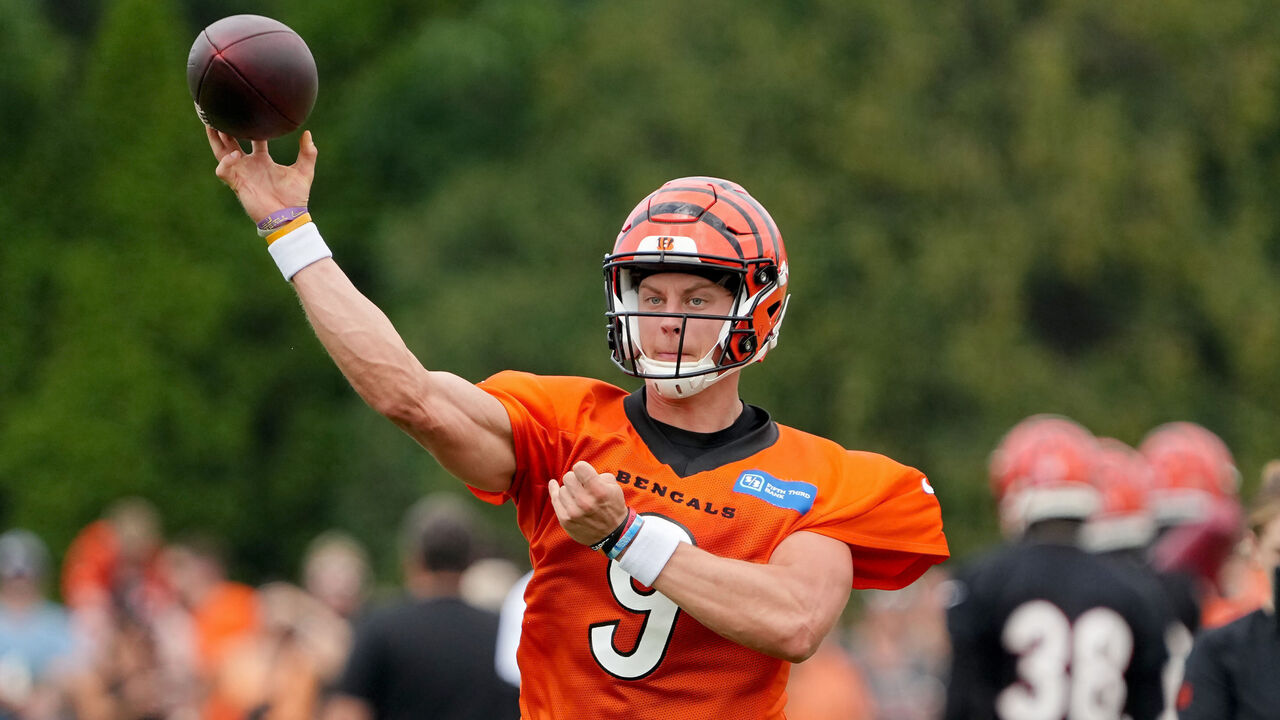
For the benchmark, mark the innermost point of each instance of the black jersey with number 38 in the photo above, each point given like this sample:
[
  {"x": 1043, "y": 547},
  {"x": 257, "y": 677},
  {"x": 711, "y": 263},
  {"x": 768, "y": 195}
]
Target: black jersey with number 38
[{"x": 1050, "y": 632}]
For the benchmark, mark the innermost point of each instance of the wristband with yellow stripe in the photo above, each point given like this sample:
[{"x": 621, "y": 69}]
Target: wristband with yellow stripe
[
  {"x": 288, "y": 227},
  {"x": 297, "y": 245}
]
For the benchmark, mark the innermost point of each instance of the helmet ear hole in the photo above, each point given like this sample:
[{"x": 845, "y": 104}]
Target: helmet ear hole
[{"x": 773, "y": 309}]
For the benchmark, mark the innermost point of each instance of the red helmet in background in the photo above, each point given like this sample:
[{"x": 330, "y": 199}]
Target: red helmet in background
[
  {"x": 1124, "y": 519},
  {"x": 1192, "y": 470},
  {"x": 1042, "y": 469},
  {"x": 705, "y": 226}
]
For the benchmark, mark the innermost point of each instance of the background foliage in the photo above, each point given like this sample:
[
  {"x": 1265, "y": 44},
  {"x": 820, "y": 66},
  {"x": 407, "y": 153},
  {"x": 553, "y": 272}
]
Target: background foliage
[{"x": 993, "y": 208}]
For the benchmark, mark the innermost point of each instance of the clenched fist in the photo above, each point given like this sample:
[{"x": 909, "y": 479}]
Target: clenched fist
[{"x": 589, "y": 504}]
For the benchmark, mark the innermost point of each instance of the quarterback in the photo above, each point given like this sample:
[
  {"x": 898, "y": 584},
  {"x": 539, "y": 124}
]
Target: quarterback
[{"x": 685, "y": 547}]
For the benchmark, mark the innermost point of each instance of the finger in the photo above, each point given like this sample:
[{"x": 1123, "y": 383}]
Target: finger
[
  {"x": 574, "y": 479},
  {"x": 215, "y": 142},
  {"x": 231, "y": 142},
  {"x": 259, "y": 146},
  {"x": 585, "y": 474},
  {"x": 307, "y": 152},
  {"x": 572, "y": 495},
  {"x": 558, "y": 497},
  {"x": 595, "y": 483},
  {"x": 226, "y": 167},
  {"x": 222, "y": 143}
]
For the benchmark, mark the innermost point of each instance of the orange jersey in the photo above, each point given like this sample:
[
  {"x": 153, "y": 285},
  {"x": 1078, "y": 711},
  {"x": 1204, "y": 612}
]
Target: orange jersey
[{"x": 594, "y": 643}]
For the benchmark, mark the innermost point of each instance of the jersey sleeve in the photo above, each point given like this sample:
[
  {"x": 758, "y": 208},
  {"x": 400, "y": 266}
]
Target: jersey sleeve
[
  {"x": 535, "y": 429},
  {"x": 889, "y": 516}
]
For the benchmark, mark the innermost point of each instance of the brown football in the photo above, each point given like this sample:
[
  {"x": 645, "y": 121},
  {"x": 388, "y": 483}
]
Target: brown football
[{"x": 252, "y": 77}]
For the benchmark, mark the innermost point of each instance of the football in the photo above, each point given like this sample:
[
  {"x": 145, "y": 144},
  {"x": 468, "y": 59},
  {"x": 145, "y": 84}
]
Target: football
[{"x": 252, "y": 77}]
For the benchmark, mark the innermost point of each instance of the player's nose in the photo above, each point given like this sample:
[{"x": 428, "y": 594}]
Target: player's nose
[{"x": 672, "y": 325}]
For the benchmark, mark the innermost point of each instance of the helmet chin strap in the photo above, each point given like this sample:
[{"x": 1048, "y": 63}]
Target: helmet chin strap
[
  {"x": 682, "y": 387},
  {"x": 662, "y": 375}
]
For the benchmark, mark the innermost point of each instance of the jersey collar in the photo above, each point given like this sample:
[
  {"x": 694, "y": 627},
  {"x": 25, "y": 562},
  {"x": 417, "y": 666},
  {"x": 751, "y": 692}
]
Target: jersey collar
[{"x": 688, "y": 453}]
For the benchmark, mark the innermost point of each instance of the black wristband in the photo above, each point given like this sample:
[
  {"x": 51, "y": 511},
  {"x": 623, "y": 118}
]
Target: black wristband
[{"x": 608, "y": 541}]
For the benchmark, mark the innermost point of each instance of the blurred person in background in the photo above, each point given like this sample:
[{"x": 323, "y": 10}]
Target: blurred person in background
[
  {"x": 510, "y": 627},
  {"x": 112, "y": 567},
  {"x": 335, "y": 571},
  {"x": 286, "y": 670},
  {"x": 1244, "y": 582},
  {"x": 430, "y": 656},
  {"x": 1123, "y": 525},
  {"x": 222, "y": 615},
  {"x": 497, "y": 585},
  {"x": 1122, "y": 529},
  {"x": 1040, "y": 628},
  {"x": 1233, "y": 672},
  {"x": 829, "y": 686},
  {"x": 131, "y": 675},
  {"x": 1199, "y": 521},
  {"x": 901, "y": 646},
  {"x": 37, "y": 652},
  {"x": 488, "y": 581}
]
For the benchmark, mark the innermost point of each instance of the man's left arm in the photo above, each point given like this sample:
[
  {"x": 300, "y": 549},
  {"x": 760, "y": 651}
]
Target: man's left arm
[{"x": 783, "y": 608}]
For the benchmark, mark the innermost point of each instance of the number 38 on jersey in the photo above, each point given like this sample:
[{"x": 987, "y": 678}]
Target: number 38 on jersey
[{"x": 1065, "y": 669}]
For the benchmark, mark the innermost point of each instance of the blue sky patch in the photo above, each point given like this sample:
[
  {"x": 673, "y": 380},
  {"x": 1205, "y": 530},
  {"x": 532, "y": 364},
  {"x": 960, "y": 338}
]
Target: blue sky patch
[{"x": 788, "y": 494}]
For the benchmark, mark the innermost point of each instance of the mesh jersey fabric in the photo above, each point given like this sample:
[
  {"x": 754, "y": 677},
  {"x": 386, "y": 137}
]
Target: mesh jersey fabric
[{"x": 596, "y": 644}]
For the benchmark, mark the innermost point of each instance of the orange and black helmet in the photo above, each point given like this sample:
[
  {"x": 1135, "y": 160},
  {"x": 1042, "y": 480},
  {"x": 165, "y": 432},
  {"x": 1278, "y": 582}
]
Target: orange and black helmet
[
  {"x": 704, "y": 226},
  {"x": 1043, "y": 469}
]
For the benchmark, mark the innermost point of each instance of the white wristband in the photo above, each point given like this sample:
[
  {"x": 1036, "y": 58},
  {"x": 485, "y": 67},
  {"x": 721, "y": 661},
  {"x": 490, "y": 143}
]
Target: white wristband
[
  {"x": 298, "y": 249},
  {"x": 652, "y": 548}
]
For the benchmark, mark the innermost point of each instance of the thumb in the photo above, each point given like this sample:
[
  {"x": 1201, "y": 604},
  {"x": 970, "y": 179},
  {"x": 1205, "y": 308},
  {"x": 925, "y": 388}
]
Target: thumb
[
  {"x": 307, "y": 153},
  {"x": 586, "y": 474},
  {"x": 226, "y": 168}
]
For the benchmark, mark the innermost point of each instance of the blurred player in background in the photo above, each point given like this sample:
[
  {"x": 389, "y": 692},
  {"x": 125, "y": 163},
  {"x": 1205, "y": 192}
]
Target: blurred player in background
[
  {"x": 113, "y": 568},
  {"x": 1123, "y": 528},
  {"x": 37, "y": 652},
  {"x": 1041, "y": 629},
  {"x": 1199, "y": 523},
  {"x": 223, "y": 615},
  {"x": 1234, "y": 670},
  {"x": 751, "y": 533},
  {"x": 1245, "y": 584},
  {"x": 901, "y": 647},
  {"x": 430, "y": 656},
  {"x": 335, "y": 570}
]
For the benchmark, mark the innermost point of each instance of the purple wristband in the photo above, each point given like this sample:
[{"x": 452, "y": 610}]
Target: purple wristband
[{"x": 279, "y": 219}]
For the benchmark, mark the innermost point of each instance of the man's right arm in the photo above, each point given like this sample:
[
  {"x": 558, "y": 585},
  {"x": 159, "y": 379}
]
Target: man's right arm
[{"x": 465, "y": 428}]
